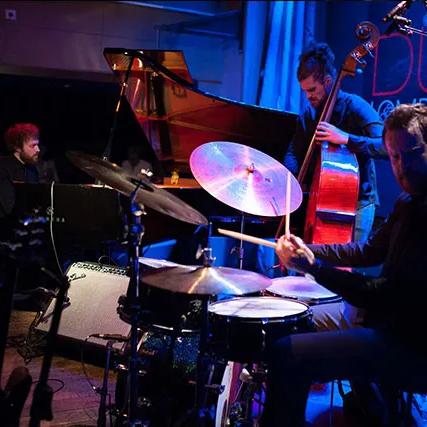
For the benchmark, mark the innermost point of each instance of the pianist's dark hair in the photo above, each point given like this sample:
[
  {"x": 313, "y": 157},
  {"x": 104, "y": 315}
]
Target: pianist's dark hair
[
  {"x": 412, "y": 117},
  {"x": 316, "y": 60},
  {"x": 18, "y": 133}
]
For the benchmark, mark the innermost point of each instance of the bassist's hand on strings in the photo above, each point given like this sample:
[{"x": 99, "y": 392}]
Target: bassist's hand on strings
[
  {"x": 330, "y": 133},
  {"x": 294, "y": 253}
]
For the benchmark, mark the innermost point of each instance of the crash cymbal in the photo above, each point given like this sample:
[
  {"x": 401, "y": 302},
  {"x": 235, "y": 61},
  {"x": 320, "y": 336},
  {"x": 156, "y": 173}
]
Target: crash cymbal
[
  {"x": 148, "y": 194},
  {"x": 244, "y": 178},
  {"x": 201, "y": 280}
]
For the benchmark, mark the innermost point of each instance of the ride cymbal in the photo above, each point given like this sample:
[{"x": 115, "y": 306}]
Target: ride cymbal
[{"x": 245, "y": 178}]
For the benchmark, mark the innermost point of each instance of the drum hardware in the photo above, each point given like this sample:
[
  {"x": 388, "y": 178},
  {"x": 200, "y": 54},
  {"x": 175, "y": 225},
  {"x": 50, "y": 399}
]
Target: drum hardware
[
  {"x": 239, "y": 249},
  {"x": 243, "y": 397},
  {"x": 141, "y": 193},
  {"x": 260, "y": 179},
  {"x": 243, "y": 328}
]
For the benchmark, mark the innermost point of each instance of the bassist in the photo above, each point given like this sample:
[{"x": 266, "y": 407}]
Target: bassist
[{"x": 355, "y": 124}]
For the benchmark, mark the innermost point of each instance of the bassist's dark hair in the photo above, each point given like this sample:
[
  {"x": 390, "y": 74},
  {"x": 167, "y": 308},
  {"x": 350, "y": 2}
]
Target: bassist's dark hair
[{"x": 316, "y": 60}]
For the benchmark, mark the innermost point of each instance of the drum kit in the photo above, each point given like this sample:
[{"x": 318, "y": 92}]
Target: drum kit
[{"x": 240, "y": 313}]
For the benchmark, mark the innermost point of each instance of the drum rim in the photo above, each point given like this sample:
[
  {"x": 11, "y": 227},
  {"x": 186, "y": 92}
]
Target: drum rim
[
  {"x": 308, "y": 301},
  {"x": 275, "y": 319}
]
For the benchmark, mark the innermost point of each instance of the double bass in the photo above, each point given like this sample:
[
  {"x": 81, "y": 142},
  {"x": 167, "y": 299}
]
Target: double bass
[{"x": 334, "y": 190}]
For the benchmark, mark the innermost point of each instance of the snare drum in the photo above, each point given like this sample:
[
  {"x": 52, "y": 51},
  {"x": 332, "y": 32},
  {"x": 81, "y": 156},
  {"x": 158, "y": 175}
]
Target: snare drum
[
  {"x": 302, "y": 289},
  {"x": 244, "y": 328}
]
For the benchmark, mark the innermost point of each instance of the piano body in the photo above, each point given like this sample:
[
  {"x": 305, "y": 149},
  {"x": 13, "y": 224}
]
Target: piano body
[{"x": 176, "y": 118}]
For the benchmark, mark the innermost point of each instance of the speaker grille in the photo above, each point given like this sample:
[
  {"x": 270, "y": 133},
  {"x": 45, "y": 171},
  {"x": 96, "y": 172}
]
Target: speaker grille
[{"x": 93, "y": 295}]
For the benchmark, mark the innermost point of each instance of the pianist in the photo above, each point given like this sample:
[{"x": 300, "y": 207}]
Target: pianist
[{"x": 22, "y": 143}]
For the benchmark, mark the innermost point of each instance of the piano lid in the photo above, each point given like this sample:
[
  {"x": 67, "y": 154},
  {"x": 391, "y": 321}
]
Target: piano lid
[{"x": 176, "y": 117}]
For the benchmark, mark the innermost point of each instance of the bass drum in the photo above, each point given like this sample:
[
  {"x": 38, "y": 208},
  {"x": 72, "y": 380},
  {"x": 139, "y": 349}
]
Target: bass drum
[{"x": 167, "y": 372}]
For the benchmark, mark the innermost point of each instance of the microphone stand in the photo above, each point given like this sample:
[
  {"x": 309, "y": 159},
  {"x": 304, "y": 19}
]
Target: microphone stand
[
  {"x": 104, "y": 391},
  {"x": 403, "y": 25},
  {"x": 400, "y": 23},
  {"x": 41, "y": 407}
]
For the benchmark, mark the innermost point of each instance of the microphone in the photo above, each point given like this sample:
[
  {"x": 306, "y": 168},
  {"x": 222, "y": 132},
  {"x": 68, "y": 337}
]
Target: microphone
[
  {"x": 112, "y": 337},
  {"x": 398, "y": 9}
]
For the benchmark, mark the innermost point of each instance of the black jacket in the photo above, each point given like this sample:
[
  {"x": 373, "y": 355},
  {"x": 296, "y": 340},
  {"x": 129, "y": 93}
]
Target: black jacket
[{"x": 395, "y": 301}]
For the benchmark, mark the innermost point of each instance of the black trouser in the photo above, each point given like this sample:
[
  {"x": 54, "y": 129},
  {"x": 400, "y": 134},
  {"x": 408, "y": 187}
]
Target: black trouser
[{"x": 360, "y": 354}]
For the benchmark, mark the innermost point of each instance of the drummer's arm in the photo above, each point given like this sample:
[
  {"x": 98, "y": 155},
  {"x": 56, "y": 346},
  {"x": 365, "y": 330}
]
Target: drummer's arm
[{"x": 357, "y": 289}]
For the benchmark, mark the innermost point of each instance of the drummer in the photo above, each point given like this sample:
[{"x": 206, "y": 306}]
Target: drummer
[{"x": 389, "y": 348}]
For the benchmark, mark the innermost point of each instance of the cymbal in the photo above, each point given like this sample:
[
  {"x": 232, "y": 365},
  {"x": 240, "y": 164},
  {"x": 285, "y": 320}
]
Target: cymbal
[
  {"x": 244, "y": 178},
  {"x": 157, "y": 263},
  {"x": 148, "y": 194},
  {"x": 201, "y": 280},
  {"x": 301, "y": 287}
]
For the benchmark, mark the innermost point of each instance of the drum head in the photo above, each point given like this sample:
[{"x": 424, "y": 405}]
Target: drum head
[
  {"x": 257, "y": 308},
  {"x": 303, "y": 289}
]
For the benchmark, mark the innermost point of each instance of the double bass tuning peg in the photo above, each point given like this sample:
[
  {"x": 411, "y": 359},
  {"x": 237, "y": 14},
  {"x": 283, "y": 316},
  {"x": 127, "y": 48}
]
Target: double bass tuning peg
[
  {"x": 368, "y": 33},
  {"x": 363, "y": 32}
]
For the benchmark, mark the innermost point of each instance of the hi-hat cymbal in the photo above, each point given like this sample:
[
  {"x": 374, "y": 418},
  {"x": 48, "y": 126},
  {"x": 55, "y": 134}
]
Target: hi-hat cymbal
[
  {"x": 148, "y": 194},
  {"x": 201, "y": 280},
  {"x": 245, "y": 178}
]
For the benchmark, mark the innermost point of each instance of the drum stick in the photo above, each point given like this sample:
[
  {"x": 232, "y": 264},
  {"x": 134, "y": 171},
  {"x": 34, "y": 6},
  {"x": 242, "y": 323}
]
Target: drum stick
[
  {"x": 247, "y": 238},
  {"x": 288, "y": 205}
]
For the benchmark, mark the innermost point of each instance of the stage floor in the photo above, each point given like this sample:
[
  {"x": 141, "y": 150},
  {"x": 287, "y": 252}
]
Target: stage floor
[{"x": 77, "y": 405}]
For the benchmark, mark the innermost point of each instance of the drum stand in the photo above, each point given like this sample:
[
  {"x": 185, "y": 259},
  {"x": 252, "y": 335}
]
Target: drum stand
[
  {"x": 241, "y": 410},
  {"x": 136, "y": 231},
  {"x": 239, "y": 249},
  {"x": 245, "y": 411},
  {"x": 199, "y": 416}
]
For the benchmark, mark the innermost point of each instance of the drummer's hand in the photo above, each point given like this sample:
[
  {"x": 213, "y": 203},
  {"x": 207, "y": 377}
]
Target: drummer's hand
[
  {"x": 327, "y": 132},
  {"x": 294, "y": 253}
]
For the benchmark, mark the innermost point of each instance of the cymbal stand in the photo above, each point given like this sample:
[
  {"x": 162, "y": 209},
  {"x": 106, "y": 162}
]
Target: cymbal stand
[
  {"x": 199, "y": 416},
  {"x": 239, "y": 250},
  {"x": 136, "y": 231}
]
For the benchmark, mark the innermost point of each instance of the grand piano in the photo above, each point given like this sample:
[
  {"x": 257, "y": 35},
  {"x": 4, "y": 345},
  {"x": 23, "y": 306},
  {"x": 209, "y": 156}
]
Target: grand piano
[{"x": 176, "y": 117}]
